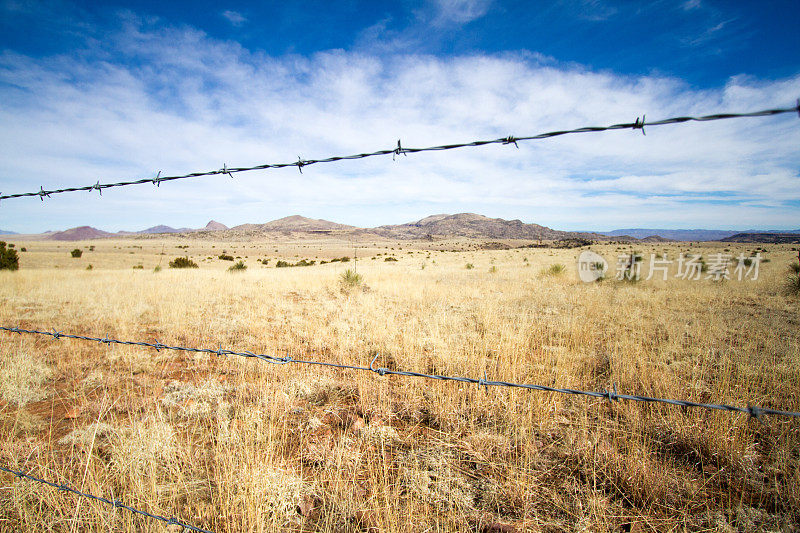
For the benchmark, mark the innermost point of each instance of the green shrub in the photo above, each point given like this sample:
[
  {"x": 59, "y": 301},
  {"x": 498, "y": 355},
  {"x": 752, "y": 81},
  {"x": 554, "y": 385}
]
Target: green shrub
[
  {"x": 9, "y": 260},
  {"x": 469, "y": 266},
  {"x": 492, "y": 269},
  {"x": 225, "y": 257},
  {"x": 182, "y": 262},
  {"x": 91, "y": 248},
  {"x": 138, "y": 267},
  {"x": 157, "y": 268},
  {"x": 23, "y": 249},
  {"x": 89, "y": 266},
  {"x": 77, "y": 252},
  {"x": 282, "y": 264},
  {"x": 390, "y": 259},
  {"x": 237, "y": 266},
  {"x": 350, "y": 280},
  {"x": 555, "y": 270}
]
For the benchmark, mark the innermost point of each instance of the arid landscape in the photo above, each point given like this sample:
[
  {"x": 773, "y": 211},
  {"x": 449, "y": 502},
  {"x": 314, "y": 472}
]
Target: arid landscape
[{"x": 232, "y": 444}]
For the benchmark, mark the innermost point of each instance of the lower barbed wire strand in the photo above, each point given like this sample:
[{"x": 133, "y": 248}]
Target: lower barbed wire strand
[
  {"x": 114, "y": 503},
  {"x": 753, "y": 411}
]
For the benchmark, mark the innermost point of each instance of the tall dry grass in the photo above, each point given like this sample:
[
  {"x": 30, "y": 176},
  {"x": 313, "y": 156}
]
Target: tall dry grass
[{"x": 232, "y": 444}]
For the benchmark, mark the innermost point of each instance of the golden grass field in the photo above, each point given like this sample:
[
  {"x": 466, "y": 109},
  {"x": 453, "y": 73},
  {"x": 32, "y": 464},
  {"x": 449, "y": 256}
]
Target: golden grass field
[{"x": 234, "y": 444}]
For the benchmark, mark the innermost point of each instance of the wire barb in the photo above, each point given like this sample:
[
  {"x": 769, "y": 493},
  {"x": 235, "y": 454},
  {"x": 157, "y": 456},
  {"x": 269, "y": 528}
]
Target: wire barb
[
  {"x": 612, "y": 396},
  {"x": 42, "y": 193},
  {"x": 640, "y": 125},
  {"x": 300, "y": 163},
  {"x": 379, "y": 371},
  {"x": 399, "y": 150},
  {"x": 98, "y": 187},
  {"x": 226, "y": 170}
]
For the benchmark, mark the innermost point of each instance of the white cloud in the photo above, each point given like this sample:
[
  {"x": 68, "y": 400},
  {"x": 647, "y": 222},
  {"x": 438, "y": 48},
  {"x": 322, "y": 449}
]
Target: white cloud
[
  {"x": 234, "y": 17},
  {"x": 182, "y": 102},
  {"x": 459, "y": 11},
  {"x": 690, "y": 5}
]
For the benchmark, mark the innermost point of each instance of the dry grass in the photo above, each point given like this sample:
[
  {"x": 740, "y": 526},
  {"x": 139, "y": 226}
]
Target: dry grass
[{"x": 233, "y": 444}]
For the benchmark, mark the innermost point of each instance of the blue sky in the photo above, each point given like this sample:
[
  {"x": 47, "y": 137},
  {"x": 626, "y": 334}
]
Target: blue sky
[{"x": 124, "y": 90}]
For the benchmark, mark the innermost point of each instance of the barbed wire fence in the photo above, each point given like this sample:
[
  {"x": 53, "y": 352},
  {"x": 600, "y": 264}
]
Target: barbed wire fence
[
  {"x": 610, "y": 395},
  {"x": 639, "y": 124}
]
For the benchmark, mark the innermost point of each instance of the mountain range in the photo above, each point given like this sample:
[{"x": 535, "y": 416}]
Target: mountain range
[{"x": 466, "y": 225}]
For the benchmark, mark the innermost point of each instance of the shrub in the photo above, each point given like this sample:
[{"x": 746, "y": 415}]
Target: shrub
[
  {"x": 138, "y": 267},
  {"x": 9, "y": 260},
  {"x": 350, "y": 280},
  {"x": 793, "y": 280},
  {"x": 237, "y": 266},
  {"x": 282, "y": 264},
  {"x": 390, "y": 259},
  {"x": 91, "y": 248},
  {"x": 182, "y": 262},
  {"x": 225, "y": 257},
  {"x": 345, "y": 259},
  {"x": 492, "y": 269},
  {"x": 23, "y": 249},
  {"x": 157, "y": 268},
  {"x": 89, "y": 267},
  {"x": 555, "y": 270},
  {"x": 469, "y": 266},
  {"x": 77, "y": 252}
]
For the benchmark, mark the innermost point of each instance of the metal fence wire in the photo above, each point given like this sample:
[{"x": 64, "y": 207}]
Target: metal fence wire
[
  {"x": 639, "y": 124},
  {"x": 610, "y": 395},
  {"x": 116, "y": 503}
]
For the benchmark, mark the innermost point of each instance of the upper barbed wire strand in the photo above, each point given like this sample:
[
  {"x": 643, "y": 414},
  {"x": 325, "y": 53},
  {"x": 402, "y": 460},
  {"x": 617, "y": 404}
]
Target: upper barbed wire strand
[
  {"x": 752, "y": 410},
  {"x": 300, "y": 163}
]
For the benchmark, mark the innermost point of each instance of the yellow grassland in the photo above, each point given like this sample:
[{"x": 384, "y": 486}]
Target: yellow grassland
[{"x": 233, "y": 444}]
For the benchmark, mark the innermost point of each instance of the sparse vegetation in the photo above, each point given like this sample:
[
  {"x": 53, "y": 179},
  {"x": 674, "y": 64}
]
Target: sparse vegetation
[
  {"x": 350, "y": 279},
  {"x": 793, "y": 279},
  {"x": 554, "y": 270},
  {"x": 76, "y": 253},
  {"x": 182, "y": 262},
  {"x": 225, "y": 257},
  {"x": 9, "y": 260},
  {"x": 238, "y": 266},
  {"x": 469, "y": 266}
]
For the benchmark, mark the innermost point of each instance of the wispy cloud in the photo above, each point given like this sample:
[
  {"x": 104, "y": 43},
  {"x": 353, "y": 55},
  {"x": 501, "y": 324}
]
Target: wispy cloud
[
  {"x": 458, "y": 11},
  {"x": 234, "y": 17},
  {"x": 176, "y": 100},
  {"x": 690, "y": 5}
]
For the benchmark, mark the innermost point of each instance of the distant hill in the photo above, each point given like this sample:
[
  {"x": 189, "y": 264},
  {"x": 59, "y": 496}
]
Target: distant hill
[
  {"x": 295, "y": 223},
  {"x": 6, "y": 232},
  {"x": 773, "y": 238},
  {"x": 213, "y": 225},
  {"x": 80, "y": 233},
  {"x": 471, "y": 225},
  {"x": 163, "y": 229},
  {"x": 685, "y": 234}
]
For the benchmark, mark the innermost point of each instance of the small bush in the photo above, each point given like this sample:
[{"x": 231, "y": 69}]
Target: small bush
[
  {"x": 282, "y": 264},
  {"x": 9, "y": 260},
  {"x": 89, "y": 266},
  {"x": 492, "y": 269},
  {"x": 23, "y": 249},
  {"x": 138, "y": 267},
  {"x": 237, "y": 266},
  {"x": 182, "y": 262},
  {"x": 77, "y": 252},
  {"x": 390, "y": 259},
  {"x": 91, "y": 248},
  {"x": 469, "y": 266},
  {"x": 350, "y": 280},
  {"x": 555, "y": 270},
  {"x": 157, "y": 268},
  {"x": 225, "y": 257},
  {"x": 344, "y": 259},
  {"x": 793, "y": 280}
]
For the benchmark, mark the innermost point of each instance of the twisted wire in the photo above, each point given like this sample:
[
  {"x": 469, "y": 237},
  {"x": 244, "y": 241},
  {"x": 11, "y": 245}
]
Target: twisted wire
[
  {"x": 116, "y": 503},
  {"x": 639, "y": 124},
  {"x": 751, "y": 410}
]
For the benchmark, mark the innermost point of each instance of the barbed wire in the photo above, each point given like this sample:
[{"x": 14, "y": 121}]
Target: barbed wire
[
  {"x": 116, "y": 503},
  {"x": 639, "y": 124},
  {"x": 610, "y": 395}
]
